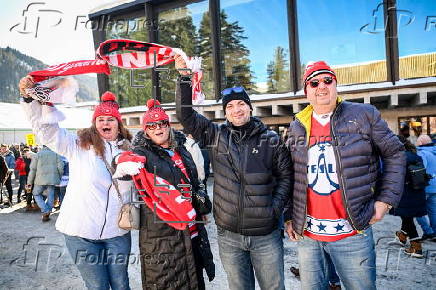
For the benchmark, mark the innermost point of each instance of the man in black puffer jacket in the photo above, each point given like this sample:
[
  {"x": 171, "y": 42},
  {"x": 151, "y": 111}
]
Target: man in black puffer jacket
[
  {"x": 337, "y": 149},
  {"x": 252, "y": 184}
]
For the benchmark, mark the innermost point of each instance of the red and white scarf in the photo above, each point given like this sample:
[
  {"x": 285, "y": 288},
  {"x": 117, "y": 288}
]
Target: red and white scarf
[
  {"x": 132, "y": 54},
  {"x": 123, "y": 53}
]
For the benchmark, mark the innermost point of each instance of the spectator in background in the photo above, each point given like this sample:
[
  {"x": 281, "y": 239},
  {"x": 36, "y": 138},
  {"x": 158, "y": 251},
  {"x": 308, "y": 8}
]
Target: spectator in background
[
  {"x": 412, "y": 204},
  {"x": 27, "y": 157},
  {"x": 427, "y": 151},
  {"x": 3, "y": 175},
  {"x": 20, "y": 166},
  {"x": 10, "y": 162},
  {"x": 197, "y": 156},
  {"x": 46, "y": 171},
  {"x": 62, "y": 187},
  {"x": 15, "y": 149}
]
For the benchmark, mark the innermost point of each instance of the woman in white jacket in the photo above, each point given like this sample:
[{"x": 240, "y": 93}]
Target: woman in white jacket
[{"x": 88, "y": 218}]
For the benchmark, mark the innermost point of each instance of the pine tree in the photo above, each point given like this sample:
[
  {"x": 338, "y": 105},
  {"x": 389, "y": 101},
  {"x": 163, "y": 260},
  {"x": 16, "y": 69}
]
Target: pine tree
[
  {"x": 278, "y": 72},
  {"x": 235, "y": 61}
]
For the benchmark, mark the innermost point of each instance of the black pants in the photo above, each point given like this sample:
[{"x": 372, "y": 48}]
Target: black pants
[
  {"x": 408, "y": 226},
  {"x": 8, "y": 185}
]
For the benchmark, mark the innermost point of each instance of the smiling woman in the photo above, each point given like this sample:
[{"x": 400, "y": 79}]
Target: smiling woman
[{"x": 89, "y": 214}]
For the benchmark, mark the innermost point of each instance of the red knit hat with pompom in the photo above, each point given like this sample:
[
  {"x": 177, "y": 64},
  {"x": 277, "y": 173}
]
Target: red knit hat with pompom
[
  {"x": 315, "y": 68},
  {"x": 154, "y": 113},
  {"x": 107, "y": 107}
]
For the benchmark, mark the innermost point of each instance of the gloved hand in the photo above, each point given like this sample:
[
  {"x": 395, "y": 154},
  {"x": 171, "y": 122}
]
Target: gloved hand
[
  {"x": 128, "y": 163},
  {"x": 25, "y": 84}
]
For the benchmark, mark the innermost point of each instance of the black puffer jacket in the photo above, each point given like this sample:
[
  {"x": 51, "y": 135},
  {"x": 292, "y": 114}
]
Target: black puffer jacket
[
  {"x": 169, "y": 258},
  {"x": 360, "y": 139},
  {"x": 252, "y": 173}
]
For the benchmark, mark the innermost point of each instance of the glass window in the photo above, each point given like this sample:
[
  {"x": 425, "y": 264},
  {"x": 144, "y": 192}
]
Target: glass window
[
  {"x": 255, "y": 45},
  {"x": 132, "y": 87},
  {"x": 186, "y": 27},
  {"x": 348, "y": 35},
  {"x": 416, "y": 38}
]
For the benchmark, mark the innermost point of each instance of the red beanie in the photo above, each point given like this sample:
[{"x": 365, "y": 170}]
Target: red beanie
[
  {"x": 314, "y": 69},
  {"x": 107, "y": 107},
  {"x": 154, "y": 113}
]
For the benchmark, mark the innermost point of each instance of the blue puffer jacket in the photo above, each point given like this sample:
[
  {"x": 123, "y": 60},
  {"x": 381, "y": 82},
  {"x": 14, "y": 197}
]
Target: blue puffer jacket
[
  {"x": 428, "y": 155},
  {"x": 360, "y": 140},
  {"x": 10, "y": 159}
]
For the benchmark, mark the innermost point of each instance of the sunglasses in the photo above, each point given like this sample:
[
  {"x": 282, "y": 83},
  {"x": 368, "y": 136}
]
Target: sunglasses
[
  {"x": 161, "y": 124},
  {"x": 315, "y": 82},
  {"x": 230, "y": 91}
]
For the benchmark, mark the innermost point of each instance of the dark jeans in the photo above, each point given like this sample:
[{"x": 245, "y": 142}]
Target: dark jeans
[
  {"x": 60, "y": 193},
  {"x": 23, "y": 181},
  {"x": 408, "y": 226},
  {"x": 8, "y": 185}
]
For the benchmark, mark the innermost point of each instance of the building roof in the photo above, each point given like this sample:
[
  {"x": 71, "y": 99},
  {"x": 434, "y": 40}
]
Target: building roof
[{"x": 13, "y": 117}]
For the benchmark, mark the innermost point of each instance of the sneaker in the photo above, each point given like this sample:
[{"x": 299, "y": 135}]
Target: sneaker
[
  {"x": 415, "y": 249},
  {"x": 46, "y": 217},
  {"x": 400, "y": 239}
]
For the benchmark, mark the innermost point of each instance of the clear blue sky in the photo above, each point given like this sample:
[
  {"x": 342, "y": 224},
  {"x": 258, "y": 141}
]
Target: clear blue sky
[{"x": 328, "y": 30}]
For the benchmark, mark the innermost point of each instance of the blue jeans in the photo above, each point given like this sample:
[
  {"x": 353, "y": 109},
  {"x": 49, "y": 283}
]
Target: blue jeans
[
  {"x": 246, "y": 256},
  {"x": 424, "y": 223},
  {"x": 353, "y": 258},
  {"x": 47, "y": 205},
  {"x": 102, "y": 263},
  {"x": 431, "y": 209}
]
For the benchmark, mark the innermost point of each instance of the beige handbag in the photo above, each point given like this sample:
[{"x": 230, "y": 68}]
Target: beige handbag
[{"x": 128, "y": 217}]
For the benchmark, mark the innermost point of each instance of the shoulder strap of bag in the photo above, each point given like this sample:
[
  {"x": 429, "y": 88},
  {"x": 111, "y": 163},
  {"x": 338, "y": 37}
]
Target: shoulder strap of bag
[{"x": 114, "y": 181}]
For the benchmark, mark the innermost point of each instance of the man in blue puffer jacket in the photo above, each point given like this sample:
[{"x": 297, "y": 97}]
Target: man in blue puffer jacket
[
  {"x": 339, "y": 190},
  {"x": 427, "y": 151}
]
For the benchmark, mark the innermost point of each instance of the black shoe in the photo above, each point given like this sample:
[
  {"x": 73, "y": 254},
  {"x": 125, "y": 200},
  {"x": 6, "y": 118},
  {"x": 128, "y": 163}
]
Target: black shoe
[{"x": 295, "y": 271}]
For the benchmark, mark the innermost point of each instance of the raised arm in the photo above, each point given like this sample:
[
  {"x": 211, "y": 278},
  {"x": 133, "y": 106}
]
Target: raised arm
[
  {"x": 44, "y": 120},
  {"x": 202, "y": 129}
]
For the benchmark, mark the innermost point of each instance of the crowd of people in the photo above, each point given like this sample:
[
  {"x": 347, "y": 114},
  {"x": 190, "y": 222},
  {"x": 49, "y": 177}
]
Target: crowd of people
[
  {"x": 18, "y": 165},
  {"x": 339, "y": 170}
]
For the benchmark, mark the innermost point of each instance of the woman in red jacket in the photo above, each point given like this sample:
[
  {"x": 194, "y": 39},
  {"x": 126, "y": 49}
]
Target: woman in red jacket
[{"x": 20, "y": 166}]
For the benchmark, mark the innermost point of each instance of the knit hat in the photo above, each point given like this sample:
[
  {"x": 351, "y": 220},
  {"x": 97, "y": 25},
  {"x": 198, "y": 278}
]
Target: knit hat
[
  {"x": 314, "y": 69},
  {"x": 154, "y": 113},
  {"x": 237, "y": 93},
  {"x": 107, "y": 107}
]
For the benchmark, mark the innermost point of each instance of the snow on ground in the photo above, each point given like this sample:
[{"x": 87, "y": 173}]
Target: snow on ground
[{"x": 33, "y": 256}]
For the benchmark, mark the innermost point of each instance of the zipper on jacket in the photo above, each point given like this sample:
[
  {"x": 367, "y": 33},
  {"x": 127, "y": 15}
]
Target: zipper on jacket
[
  {"x": 307, "y": 183},
  {"x": 339, "y": 170},
  {"x": 108, "y": 194},
  {"x": 241, "y": 189}
]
